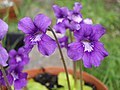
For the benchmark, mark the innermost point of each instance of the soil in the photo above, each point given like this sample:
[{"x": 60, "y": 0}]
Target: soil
[{"x": 51, "y": 81}]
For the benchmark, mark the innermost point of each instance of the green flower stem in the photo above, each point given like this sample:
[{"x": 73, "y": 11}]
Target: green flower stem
[
  {"x": 25, "y": 88},
  {"x": 81, "y": 78},
  {"x": 5, "y": 78},
  {"x": 62, "y": 57},
  {"x": 74, "y": 64},
  {"x": 0, "y": 87}
]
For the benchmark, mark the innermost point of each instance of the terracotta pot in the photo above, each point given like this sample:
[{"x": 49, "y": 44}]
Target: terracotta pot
[
  {"x": 56, "y": 70},
  {"x": 12, "y": 15},
  {"x": 3, "y": 12}
]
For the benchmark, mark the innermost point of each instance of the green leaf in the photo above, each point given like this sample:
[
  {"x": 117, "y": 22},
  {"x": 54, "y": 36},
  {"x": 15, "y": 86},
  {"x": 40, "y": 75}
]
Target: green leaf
[
  {"x": 32, "y": 85},
  {"x": 63, "y": 81}
]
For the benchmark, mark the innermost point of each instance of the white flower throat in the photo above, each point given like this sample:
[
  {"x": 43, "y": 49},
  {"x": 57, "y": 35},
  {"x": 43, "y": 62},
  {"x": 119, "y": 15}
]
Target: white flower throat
[
  {"x": 77, "y": 18},
  {"x": 18, "y": 58},
  {"x": 36, "y": 38},
  {"x": 87, "y": 45}
]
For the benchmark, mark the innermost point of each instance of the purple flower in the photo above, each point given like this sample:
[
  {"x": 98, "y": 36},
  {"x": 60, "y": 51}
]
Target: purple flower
[
  {"x": 75, "y": 14},
  {"x": 3, "y": 52},
  {"x": 67, "y": 19},
  {"x": 61, "y": 26},
  {"x": 18, "y": 57},
  {"x": 3, "y": 56},
  {"x": 9, "y": 77},
  {"x": 63, "y": 41},
  {"x": 61, "y": 14},
  {"x": 20, "y": 78},
  {"x": 36, "y": 33},
  {"x": 3, "y": 29},
  {"x": 87, "y": 45},
  {"x": 76, "y": 17},
  {"x": 77, "y": 7}
]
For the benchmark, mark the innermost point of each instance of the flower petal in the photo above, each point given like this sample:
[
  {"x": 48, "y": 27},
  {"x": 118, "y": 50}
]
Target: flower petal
[
  {"x": 63, "y": 42},
  {"x": 74, "y": 26},
  {"x": 25, "y": 59},
  {"x": 75, "y": 51},
  {"x": 98, "y": 31},
  {"x": 98, "y": 54},
  {"x": 85, "y": 31},
  {"x": 60, "y": 28},
  {"x": 23, "y": 75},
  {"x": 57, "y": 11},
  {"x": 77, "y": 7},
  {"x": 87, "y": 21},
  {"x": 3, "y": 29},
  {"x": 12, "y": 53},
  {"x": 77, "y": 18},
  {"x": 12, "y": 61},
  {"x": 16, "y": 68},
  {"x": 65, "y": 11},
  {"x": 10, "y": 79},
  {"x": 27, "y": 48},
  {"x": 87, "y": 59},
  {"x": 26, "y": 25},
  {"x": 3, "y": 56},
  {"x": 47, "y": 45},
  {"x": 99, "y": 47},
  {"x": 42, "y": 22},
  {"x": 20, "y": 83},
  {"x": 60, "y": 12},
  {"x": 95, "y": 58},
  {"x": 28, "y": 45}
]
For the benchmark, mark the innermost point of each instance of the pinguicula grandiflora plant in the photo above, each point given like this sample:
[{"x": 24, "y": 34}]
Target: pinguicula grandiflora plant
[{"x": 84, "y": 44}]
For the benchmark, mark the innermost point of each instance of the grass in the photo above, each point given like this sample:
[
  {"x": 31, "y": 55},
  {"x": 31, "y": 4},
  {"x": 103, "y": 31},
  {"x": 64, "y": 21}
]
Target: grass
[{"x": 100, "y": 12}]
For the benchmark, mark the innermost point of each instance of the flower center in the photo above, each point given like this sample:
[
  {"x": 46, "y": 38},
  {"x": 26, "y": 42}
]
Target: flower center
[
  {"x": 15, "y": 76},
  {"x": 36, "y": 38},
  {"x": 60, "y": 20},
  {"x": 77, "y": 18},
  {"x": 87, "y": 45},
  {"x": 77, "y": 27},
  {"x": 18, "y": 59},
  {"x": 62, "y": 43}
]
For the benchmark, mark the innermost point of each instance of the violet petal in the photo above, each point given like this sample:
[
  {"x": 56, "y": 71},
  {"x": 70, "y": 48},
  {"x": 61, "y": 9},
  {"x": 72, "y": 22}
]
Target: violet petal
[
  {"x": 98, "y": 31},
  {"x": 57, "y": 11},
  {"x": 87, "y": 60},
  {"x": 47, "y": 45},
  {"x": 20, "y": 83},
  {"x": 26, "y": 25},
  {"x": 77, "y": 7},
  {"x": 3, "y": 29},
  {"x": 3, "y": 56},
  {"x": 75, "y": 50},
  {"x": 60, "y": 28},
  {"x": 12, "y": 53},
  {"x": 99, "y": 47},
  {"x": 42, "y": 22},
  {"x": 84, "y": 32}
]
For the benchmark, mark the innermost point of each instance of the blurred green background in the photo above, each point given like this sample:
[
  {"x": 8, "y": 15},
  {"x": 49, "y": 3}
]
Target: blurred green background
[{"x": 105, "y": 12}]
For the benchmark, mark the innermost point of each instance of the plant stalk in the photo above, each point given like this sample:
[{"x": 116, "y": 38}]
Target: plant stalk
[
  {"x": 5, "y": 78},
  {"x": 0, "y": 87},
  {"x": 81, "y": 78},
  {"x": 74, "y": 64},
  {"x": 62, "y": 57}
]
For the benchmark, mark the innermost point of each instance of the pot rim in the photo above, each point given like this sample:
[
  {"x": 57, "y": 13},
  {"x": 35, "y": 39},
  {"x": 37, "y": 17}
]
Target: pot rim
[{"x": 56, "y": 70}]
